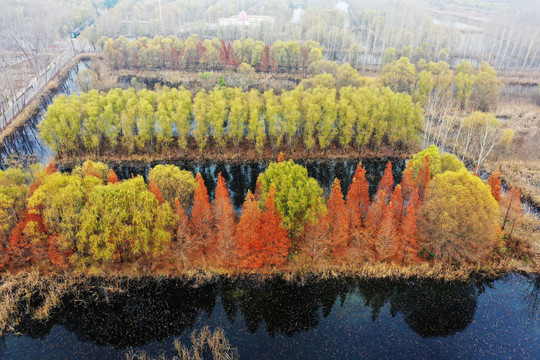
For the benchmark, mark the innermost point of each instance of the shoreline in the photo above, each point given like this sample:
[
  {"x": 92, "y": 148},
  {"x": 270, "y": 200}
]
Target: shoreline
[{"x": 33, "y": 107}]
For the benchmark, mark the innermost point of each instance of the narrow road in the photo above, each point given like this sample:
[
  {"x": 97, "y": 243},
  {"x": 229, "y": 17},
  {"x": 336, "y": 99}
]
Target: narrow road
[{"x": 37, "y": 84}]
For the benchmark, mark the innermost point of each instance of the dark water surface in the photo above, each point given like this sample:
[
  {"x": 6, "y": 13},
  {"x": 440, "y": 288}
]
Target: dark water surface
[
  {"x": 241, "y": 177},
  {"x": 323, "y": 319}
]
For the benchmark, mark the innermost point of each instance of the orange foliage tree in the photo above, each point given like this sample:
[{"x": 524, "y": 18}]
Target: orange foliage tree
[
  {"x": 274, "y": 236},
  {"x": 224, "y": 221},
  {"x": 201, "y": 222},
  {"x": 154, "y": 189},
  {"x": 512, "y": 211},
  {"x": 182, "y": 230},
  {"x": 338, "y": 220},
  {"x": 397, "y": 201},
  {"x": 423, "y": 178},
  {"x": 408, "y": 185},
  {"x": 358, "y": 202},
  {"x": 387, "y": 182},
  {"x": 386, "y": 240},
  {"x": 407, "y": 251},
  {"x": 494, "y": 181},
  {"x": 374, "y": 219},
  {"x": 248, "y": 239},
  {"x": 111, "y": 177}
]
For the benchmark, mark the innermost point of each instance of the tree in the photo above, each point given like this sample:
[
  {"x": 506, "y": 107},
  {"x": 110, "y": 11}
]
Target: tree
[
  {"x": 423, "y": 178},
  {"x": 338, "y": 220},
  {"x": 154, "y": 189},
  {"x": 450, "y": 162},
  {"x": 397, "y": 201},
  {"x": 386, "y": 184},
  {"x": 298, "y": 197},
  {"x": 458, "y": 220},
  {"x": 387, "y": 237},
  {"x": 238, "y": 117},
  {"x": 486, "y": 88},
  {"x": 224, "y": 221},
  {"x": 512, "y": 211},
  {"x": 182, "y": 229},
  {"x": 60, "y": 198},
  {"x": 407, "y": 252},
  {"x": 399, "y": 75},
  {"x": 434, "y": 157},
  {"x": 407, "y": 184},
  {"x": 200, "y": 113},
  {"x": 265, "y": 61},
  {"x": 174, "y": 183},
  {"x": 141, "y": 226},
  {"x": 373, "y": 223},
  {"x": 248, "y": 238},
  {"x": 464, "y": 83},
  {"x": 274, "y": 236},
  {"x": 111, "y": 177},
  {"x": 202, "y": 220},
  {"x": 494, "y": 182},
  {"x": 358, "y": 201}
]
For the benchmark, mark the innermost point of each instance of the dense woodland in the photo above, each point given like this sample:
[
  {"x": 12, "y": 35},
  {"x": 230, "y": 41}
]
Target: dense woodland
[
  {"x": 149, "y": 121},
  {"x": 438, "y": 212}
]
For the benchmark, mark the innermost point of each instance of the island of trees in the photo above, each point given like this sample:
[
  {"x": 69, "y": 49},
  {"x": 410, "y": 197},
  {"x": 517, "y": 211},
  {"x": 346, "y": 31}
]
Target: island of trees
[{"x": 439, "y": 213}]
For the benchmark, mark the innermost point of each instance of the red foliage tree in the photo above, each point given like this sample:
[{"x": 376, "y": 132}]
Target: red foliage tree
[
  {"x": 423, "y": 178},
  {"x": 249, "y": 246},
  {"x": 224, "y": 221},
  {"x": 281, "y": 157},
  {"x": 154, "y": 189},
  {"x": 358, "y": 197},
  {"x": 223, "y": 56},
  {"x": 57, "y": 256},
  {"x": 494, "y": 181},
  {"x": 231, "y": 59},
  {"x": 275, "y": 238},
  {"x": 111, "y": 177},
  {"x": 265, "y": 60},
  {"x": 387, "y": 182},
  {"x": 338, "y": 220},
  {"x": 18, "y": 252},
  {"x": 200, "y": 50},
  {"x": 201, "y": 222},
  {"x": 407, "y": 251}
]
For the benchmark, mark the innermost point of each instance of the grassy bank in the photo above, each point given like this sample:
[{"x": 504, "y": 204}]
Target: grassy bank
[
  {"x": 245, "y": 153},
  {"x": 29, "y": 295}
]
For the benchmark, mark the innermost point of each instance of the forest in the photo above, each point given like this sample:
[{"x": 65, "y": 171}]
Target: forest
[{"x": 88, "y": 219}]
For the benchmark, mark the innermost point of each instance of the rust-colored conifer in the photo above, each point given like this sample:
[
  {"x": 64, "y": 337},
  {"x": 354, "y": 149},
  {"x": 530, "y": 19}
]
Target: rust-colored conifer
[
  {"x": 111, "y": 177},
  {"x": 154, "y": 189},
  {"x": 274, "y": 237},
  {"x": 494, "y": 181},
  {"x": 338, "y": 220},
  {"x": 387, "y": 182},
  {"x": 224, "y": 221},
  {"x": 249, "y": 246},
  {"x": 201, "y": 222}
]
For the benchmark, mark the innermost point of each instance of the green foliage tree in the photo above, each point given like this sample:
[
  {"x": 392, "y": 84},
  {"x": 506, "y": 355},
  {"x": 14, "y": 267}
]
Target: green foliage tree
[
  {"x": 298, "y": 197},
  {"x": 123, "y": 222},
  {"x": 399, "y": 75},
  {"x": 174, "y": 183}
]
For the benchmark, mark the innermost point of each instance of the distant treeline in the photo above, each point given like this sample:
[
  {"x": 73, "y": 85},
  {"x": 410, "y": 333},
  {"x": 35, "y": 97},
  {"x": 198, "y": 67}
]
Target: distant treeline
[
  {"x": 173, "y": 53},
  {"x": 149, "y": 121}
]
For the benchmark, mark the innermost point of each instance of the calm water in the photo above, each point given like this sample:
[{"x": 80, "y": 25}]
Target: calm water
[
  {"x": 331, "y": 319},
  {"x": 241, "y": 177}
]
